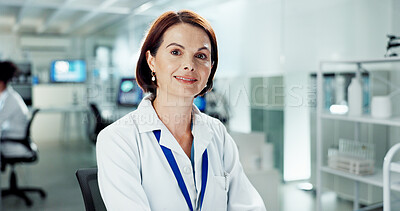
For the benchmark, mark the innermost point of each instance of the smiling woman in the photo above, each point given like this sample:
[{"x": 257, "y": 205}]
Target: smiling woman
[
  {"x": 167, "y": 149},
  {"x": 155, "y": 38},
  {"x": 182, "y": 64}
]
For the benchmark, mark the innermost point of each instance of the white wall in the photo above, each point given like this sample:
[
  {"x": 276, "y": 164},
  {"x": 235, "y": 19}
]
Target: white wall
[
  {"x": 262, "y": 33},
  {"x": 315, "y": 30}
]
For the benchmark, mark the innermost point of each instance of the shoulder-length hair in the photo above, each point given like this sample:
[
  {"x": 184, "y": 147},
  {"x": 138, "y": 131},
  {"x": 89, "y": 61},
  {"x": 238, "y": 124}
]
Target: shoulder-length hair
[
  {"x": 154, "y": 39},
  {"x": 7, "y": 71}
]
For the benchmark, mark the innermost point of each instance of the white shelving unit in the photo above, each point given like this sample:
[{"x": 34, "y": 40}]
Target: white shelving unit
[{"x": 377, "y": 178}]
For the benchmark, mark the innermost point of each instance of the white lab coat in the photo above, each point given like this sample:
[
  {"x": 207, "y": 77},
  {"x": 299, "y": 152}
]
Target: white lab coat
[
  {"x": 133, "y": 173},
  {"x": 13, "y": 114},
  {"x": 13, "y": 123}
]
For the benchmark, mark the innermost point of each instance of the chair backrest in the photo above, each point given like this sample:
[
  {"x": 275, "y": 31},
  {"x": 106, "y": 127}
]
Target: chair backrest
[
  {"x": 96, "y": 112},
  {"x": 27, "y": 142},
  {"x": 28, "y": 127},
  {"x": 87, "y": 179}
]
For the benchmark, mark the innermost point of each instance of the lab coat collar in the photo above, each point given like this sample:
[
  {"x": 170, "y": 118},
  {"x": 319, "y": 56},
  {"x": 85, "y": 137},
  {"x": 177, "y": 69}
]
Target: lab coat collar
[
  {"x": 7, "y": 90},
  {"x": 146, "y": 117},
  {"x": 4, "y": 94},
  {"x": 147, "y": 121}
]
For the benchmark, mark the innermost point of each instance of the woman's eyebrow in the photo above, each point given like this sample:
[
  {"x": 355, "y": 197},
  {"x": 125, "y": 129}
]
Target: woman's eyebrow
[
  {"x": 204, "y": 48},
  {"x": 181, "y": 46},
  {"x": 175, "y": 44}
]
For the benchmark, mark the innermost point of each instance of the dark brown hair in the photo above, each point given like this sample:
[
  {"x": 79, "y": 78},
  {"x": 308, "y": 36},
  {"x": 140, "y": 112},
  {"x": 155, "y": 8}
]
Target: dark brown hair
[
  {"x": 7, "y": 71},
  {"x": 154, "y": 39}
]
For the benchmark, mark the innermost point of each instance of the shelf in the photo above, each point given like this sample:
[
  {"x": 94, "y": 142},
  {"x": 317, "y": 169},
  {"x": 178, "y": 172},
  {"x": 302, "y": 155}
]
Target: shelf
[
  {"x": 394, "y": 121},
  {"x": 364, "y": 61},
  {"x": 375, "y": 179}
]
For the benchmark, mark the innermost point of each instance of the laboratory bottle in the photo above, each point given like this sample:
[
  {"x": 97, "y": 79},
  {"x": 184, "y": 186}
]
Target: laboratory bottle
[{"x": 355, "y": 97}]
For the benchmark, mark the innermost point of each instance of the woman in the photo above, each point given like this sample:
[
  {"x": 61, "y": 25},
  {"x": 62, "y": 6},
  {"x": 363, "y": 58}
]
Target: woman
[
  {"x": 13, "y": 113},
  {"x": 166, "y": 155}
]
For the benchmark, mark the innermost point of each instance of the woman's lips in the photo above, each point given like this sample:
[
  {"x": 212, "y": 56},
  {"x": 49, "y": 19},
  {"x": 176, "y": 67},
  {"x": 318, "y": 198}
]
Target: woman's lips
[{"x": 186, "y": 80}]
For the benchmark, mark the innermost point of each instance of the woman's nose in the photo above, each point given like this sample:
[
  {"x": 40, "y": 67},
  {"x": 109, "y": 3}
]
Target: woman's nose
[
  {"x": 188, "y": 68},
  {"x": 188, "y": 65}
]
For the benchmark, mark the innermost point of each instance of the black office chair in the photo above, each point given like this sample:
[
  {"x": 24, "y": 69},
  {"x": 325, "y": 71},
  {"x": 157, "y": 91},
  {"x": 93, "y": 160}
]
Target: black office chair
[
  {"x": 30, "y": 156},
  {"x": 87, "y": 179},
  {"x": 100, "y": 122}
]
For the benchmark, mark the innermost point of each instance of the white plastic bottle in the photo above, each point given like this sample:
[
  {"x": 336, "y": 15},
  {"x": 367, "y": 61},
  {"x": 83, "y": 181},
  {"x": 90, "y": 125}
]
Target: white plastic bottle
[{"x": 354, "y": 94}]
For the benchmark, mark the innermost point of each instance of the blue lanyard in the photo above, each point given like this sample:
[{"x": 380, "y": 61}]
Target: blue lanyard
[{"x": 178, "y": 176}]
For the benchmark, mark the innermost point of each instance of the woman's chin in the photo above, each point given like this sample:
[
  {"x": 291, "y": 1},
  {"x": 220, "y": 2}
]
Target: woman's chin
[{"x": 184, "y": 92}]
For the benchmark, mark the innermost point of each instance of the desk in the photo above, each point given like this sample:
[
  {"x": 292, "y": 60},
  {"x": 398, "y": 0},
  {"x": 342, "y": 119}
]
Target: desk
[{"x": 67, "y": 111}]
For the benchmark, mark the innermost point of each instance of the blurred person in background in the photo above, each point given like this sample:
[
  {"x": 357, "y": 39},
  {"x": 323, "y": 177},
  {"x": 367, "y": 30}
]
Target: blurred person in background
[{"x": 13, "y": 113}]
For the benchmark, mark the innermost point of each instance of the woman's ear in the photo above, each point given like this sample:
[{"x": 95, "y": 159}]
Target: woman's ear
[{"x": 150, "y": 60}]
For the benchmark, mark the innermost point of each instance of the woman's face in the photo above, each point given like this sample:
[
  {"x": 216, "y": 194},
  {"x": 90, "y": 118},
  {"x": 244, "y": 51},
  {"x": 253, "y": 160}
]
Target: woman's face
[{"x": 183, "y": 61}]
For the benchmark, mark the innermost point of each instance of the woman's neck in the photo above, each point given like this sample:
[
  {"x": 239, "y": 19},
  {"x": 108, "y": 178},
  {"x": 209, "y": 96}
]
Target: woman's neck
[
  {"x": 175, "y": 112},
  {"x": 3, "y": 86}
]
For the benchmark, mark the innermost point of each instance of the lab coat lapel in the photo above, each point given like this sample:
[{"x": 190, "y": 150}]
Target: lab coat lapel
[
  {"x": 169, "y": 141},
  {"x": 202, "y": 138},
  {"x": 201, "y": 133}
]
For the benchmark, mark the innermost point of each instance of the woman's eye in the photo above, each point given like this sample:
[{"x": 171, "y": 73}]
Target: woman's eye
[
  {"x": 175, "y": 52},
  {"x": 201, "y": 56}
]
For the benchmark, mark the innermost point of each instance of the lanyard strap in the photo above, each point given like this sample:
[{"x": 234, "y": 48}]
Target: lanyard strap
[{"x": 178, "y": 176}]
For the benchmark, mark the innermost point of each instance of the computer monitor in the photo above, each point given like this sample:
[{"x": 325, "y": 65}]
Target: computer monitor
[
  {"x": 200, "y": 102},
  {"x": 129, "y": 93},
  {"x": 68, "y": 71}
]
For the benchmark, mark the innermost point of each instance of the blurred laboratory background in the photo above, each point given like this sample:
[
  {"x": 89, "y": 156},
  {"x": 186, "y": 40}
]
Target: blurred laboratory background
[{"x": 309, "y": 90}]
